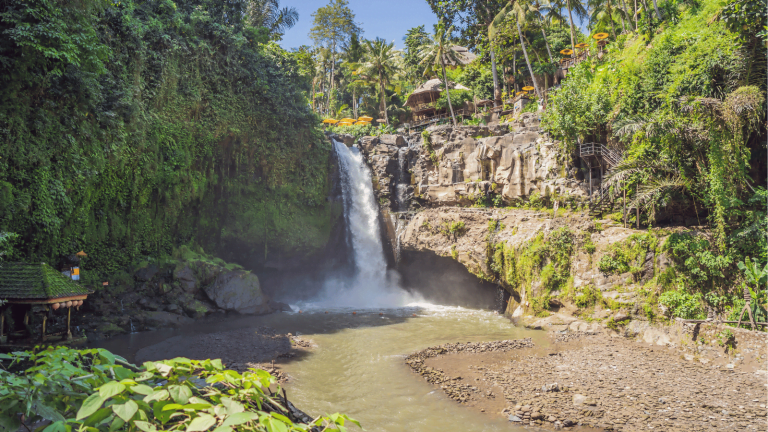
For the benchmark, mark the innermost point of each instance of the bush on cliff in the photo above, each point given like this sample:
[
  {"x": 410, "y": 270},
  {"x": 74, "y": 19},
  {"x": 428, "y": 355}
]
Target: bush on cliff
[{"x": 129, "y": 128}]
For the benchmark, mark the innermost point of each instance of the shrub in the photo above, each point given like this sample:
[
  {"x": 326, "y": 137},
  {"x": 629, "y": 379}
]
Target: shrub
[{"x": 683, "y": 304}]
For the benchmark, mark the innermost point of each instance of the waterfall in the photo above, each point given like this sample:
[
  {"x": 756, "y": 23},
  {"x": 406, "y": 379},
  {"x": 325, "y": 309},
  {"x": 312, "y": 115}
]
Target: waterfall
[{"x": 372, "y": 285}]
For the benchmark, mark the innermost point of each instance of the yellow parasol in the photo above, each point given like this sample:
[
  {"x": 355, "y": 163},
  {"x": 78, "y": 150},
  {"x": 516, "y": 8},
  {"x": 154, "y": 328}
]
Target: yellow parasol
[
  {"x": 566, "y": 52},
  {"x": 600, "y": 36},
  {"x": 520, "y": 93},
  {"x": 581, "y": 45},
  {"x": 528, "y": 88},
  {"x": 359, "y": 123},
  {"x": 344, "y": 123},
  {"x": 365, "y": 118},
  {"x": 81, "y": 254},
  {"x": 347, "y": 120},
  {"x": 330, "y": 121}
]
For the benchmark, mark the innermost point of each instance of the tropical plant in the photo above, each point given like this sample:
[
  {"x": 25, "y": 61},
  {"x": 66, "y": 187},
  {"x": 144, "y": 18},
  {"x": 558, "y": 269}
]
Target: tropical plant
[
  {"x": 435, "y": 52},
  {"x": 268, "y": 14},
  {"x": 97, "y": 391},
  {"x": 515, "y": 10},
  {"x": 381, "y": 64}
]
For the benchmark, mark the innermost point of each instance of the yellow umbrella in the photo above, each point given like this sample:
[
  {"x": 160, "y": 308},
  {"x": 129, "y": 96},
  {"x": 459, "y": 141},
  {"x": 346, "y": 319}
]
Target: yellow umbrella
[
  {"x": 365, "y": 118},
  {"x": 600, "y": 36},
  {"x": 566, "y": 52},
  {"x": 344, "y": 124},
  {"x": 361, "y": 123},
  {"x": 528, "y": 88},
  {"x": 348, "y": 120},
  {"x": 520, "y": 93},
  {"x": 581, "y": 45},
  {"x": 330, "y": 121}
]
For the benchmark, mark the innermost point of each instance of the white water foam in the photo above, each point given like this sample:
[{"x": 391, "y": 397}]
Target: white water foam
[{"x": 373, "y": 285}]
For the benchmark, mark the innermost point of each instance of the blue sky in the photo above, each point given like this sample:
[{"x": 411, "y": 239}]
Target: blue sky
[{"x": 388, "y": 19}]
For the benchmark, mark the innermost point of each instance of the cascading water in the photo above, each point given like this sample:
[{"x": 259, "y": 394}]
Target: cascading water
[{"x": 372, "y": 285}]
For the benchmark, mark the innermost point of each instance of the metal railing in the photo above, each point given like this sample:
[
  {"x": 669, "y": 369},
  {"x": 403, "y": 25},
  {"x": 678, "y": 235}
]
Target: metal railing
[{"x": 596, "y": 149}]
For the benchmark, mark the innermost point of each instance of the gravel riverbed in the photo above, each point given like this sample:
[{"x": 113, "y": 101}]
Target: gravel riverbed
[{"x": 597, "y": 382}]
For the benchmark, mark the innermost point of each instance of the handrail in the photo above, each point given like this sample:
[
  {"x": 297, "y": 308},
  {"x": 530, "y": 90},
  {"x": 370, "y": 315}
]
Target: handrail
[{"x": 597, "y": 149}]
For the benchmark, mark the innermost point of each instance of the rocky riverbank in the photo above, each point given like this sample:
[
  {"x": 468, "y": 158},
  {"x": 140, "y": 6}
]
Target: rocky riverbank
[{"x": 591, "y": 379}]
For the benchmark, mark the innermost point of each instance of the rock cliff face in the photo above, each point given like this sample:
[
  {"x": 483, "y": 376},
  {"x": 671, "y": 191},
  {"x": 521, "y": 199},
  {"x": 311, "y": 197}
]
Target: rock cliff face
[
  {"x": 474, "y": 238},
  {"x": 458, "y": 166},
  {"x": 546, "y": 261}
]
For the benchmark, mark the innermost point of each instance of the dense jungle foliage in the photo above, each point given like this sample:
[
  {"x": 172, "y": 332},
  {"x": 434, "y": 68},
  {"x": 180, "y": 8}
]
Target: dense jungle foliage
[
  {"x": 93, "y": 390},
  {"x": 129, "y": 128},
  {"x": 684, "y": 100}
]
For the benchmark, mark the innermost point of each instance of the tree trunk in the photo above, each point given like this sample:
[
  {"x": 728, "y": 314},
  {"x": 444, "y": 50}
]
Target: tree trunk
[
  {"x": 514, "y": 70},
  {"x": 383, "y": 99},
  {"x": 541, "y": 21},
  {"x": 354, "y": 102},
  {"x": 333, "y": 70},
  {"x": 448, "y": 91},
  {"x": 623, "y": 26},
  {"x": 655, "y": 6},
  {"x": 528, "y": 62},
  {"x": 496, "y": 91},
  {"x": 610, "y": 17},
  {"x": 635, "y": 15},
  {"x": 573, "y": 33}
]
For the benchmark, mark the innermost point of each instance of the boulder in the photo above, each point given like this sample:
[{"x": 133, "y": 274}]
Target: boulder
[
  {"x": 145, "y": 274},
  {"x": 186, "y": 278},
  {"x": 238, "y": 291},
  {"x": 368, "y": 143},
  {"x": 165, "y": 319},
  {"x": 347, "y": 139},
  {"x": 396, "y": 140}
]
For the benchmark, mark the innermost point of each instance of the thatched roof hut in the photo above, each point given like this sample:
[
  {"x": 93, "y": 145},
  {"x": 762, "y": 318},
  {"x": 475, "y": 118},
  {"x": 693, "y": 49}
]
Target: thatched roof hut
[
  {"x": 465, "y": 57},
  {"x": 424, "y": 97}
]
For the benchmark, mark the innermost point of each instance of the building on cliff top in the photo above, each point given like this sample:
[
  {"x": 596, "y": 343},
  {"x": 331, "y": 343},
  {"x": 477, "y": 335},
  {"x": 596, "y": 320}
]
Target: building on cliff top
[
  {"x": 423, "y": 103},
  {"x": 30, "y": 295}
]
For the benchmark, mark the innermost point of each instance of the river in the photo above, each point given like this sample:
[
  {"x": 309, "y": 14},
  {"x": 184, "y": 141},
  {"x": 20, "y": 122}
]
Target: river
[{"x": 356, "y": 365}]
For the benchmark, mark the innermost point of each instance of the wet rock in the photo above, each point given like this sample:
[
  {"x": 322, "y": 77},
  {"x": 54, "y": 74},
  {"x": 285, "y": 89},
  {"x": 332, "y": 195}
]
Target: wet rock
[
  {"x": 186, "y": 278},
  {"x": 395, "y": 140},
  {"x": 238, "y": 291},
  {"x": 145, "y": 274},
  {"x": 165, "y": 319}
]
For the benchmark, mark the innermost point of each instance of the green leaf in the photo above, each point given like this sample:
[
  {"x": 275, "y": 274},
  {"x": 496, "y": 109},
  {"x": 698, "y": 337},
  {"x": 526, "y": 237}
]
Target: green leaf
[
  {"x": 9, "y": 422},
  {"x": 142, "y": 389},
  {"x": 48, "y": 413},
  {"x": 223, "y": 429},
  {"x": 90, "y": 405},
  {"x": 59, "y": 426},
  {"x": 180, "y": 394},
  {"x": 145, "y": 426},
  {"x": 110, "y": 389},
  {"x": 202, "y": 423},
  {"x": 233, "y": 407},
  {"x": 117, "y": 423},
  {"x": 239, "y": 418},
  {"x": 157, "y": 395},
  {"x": 107, "y": 356},
  {"x": 125, "y": 411},
  {"x": 158, "y": 409},
  {"x": 97, "y": 417}
]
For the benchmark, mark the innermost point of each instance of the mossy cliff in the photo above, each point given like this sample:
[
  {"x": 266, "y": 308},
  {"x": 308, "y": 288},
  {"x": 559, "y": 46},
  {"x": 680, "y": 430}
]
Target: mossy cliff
[{"x": 131, "y": 128}]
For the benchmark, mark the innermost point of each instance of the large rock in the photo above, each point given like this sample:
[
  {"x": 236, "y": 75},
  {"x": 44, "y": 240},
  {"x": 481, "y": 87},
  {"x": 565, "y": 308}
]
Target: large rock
[
  {"x": 396, "y": 140},
  {"x": 238, "y": 291},
  {"x": 145, "y": 274},
  {"x": 186, "y": 278}
]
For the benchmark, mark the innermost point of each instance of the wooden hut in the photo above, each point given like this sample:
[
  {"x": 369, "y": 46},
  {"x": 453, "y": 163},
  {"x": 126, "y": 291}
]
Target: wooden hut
[
  {"x": 37, "y": 293},
  {"x": 422, "y": 101}
]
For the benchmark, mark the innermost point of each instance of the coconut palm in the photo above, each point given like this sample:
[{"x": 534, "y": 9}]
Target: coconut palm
[
  {"x": 435, "y": 52},
  {"x": 381, "y": 63},
  {"x": 267, "y": 13},
  {"x": 517, "y": 11}
]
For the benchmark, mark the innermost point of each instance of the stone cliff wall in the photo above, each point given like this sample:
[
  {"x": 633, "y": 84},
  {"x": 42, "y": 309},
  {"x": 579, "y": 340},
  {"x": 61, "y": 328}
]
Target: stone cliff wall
[{"x": 457, "y": 166}]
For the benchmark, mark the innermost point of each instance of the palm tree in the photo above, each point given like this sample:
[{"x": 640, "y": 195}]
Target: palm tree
[
  {"x": 515, "y": 11},
  {"x": 537, "y": 9},
  {"x": 267, "y": 13},
  {"x": 603, "y": 11},
  {"x": 381, "y": 63},
  {"x": 435, "y": 52}
]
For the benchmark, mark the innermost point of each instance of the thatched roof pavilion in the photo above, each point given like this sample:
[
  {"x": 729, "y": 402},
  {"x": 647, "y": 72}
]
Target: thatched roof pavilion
[
  {"x": 40, "y": 289},
  {"x": 465, "y": 57},
  {"x": 424, "y": 97}
]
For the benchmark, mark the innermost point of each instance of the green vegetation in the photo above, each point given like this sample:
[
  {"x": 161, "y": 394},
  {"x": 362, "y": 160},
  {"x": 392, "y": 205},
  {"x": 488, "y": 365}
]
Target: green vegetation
[
  {"x": 130, "y": 128},
  {"x": 95, "y": 390},
  {"x": 426, "y": 142},
  {"x": 628, "y": 255}
]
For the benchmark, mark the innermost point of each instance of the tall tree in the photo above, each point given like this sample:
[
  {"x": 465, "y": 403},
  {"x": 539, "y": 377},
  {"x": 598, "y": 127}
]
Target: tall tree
[
  {"x": 435, "y": 52},
  {"x": 517, "y": 11},
  {"x": 353, "y": 53},
  {"x": 381, "y": 63},
  {"x": 267, "y": 13},
  {"x": 414, "y": 39},
  {"x": 333, "y": 25},
  {"x": 471, "y": 18}
]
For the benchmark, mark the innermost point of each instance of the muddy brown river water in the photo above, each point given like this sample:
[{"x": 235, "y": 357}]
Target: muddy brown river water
[{"x": 356, "y": 363}]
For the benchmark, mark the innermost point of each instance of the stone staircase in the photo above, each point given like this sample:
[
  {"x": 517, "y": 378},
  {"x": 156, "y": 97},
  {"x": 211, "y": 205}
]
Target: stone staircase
[{"x": 603, "y": 202}]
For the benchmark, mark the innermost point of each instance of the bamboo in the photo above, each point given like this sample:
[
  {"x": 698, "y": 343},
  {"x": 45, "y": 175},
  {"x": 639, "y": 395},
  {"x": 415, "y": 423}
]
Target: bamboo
[{"x": 45, "y": 318}]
